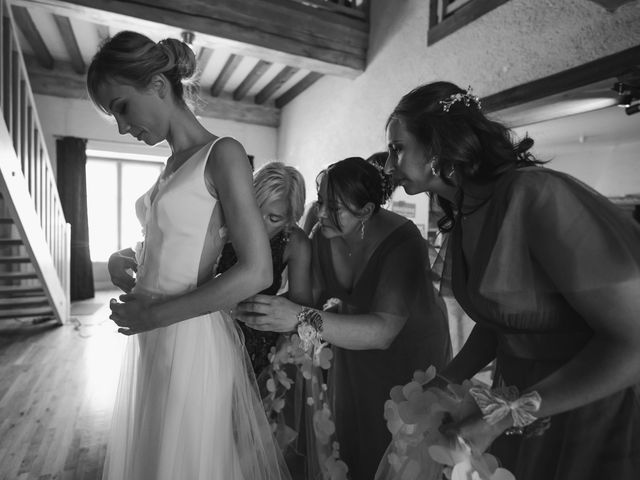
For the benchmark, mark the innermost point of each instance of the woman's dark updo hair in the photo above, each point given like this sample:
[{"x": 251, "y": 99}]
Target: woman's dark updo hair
[
  {"x": 462, "y": 138},
  {"x": 354, "y": 182},
  {"x": 134, "y": 59}
]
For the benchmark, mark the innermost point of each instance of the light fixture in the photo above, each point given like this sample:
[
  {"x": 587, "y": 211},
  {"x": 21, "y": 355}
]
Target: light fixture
[
  {"x": 625, "y": 100},
  {"x": 628, "y": 97},
  {"x": 188, "y": 37}
]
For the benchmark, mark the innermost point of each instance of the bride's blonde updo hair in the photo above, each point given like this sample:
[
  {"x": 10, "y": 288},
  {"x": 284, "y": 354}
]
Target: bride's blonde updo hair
[{"x": 134, "y": 59}]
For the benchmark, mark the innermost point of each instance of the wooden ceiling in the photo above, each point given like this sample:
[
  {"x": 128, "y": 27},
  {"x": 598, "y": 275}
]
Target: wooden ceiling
[{"x": 255, "y": 56}]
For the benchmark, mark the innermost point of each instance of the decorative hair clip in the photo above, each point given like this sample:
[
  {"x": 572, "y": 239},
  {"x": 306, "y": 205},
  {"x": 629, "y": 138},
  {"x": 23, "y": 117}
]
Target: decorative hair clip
[
  {"x": 466, "y": 98},
  {"x": 386, "y": 182}
]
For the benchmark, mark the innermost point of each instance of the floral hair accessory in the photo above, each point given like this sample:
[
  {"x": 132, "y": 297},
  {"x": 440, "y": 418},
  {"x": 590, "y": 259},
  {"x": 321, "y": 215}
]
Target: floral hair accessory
[
  {"x": 467, "y": 98},
  {"x": 386, "y": 182},
  {"x": 500, "y": 402}
]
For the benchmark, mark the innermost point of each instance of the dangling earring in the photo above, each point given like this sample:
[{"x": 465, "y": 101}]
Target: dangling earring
[
  {"x": 361, "y": 229},
  {"x": 451, "y": 173},
  {"x": 434, "y": 166}
]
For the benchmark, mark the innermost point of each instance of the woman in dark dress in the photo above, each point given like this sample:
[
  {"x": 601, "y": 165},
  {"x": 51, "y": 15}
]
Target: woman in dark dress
[
  {"x": 550, "y": 272},
  {"x": 388, "y": 324},
  {"x": 280, "y": 195}
]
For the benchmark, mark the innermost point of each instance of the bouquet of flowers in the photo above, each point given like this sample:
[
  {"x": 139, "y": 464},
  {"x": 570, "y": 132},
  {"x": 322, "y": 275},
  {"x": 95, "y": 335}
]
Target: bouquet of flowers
[{"x": 419, "y": 450}]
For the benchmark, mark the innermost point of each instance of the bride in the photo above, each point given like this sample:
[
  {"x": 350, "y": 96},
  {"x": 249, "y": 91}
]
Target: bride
[{"x": 186, "y": 406}]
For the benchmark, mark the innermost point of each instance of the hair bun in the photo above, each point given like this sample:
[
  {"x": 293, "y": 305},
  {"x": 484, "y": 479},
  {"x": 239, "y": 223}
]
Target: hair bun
[{"x": 180, "y": 57}]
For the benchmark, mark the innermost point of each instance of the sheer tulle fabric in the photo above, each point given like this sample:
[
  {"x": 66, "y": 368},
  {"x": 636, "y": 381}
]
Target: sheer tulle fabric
[
  {"x": 187, "y": 408},
  {"x": 555, "y": 235}
]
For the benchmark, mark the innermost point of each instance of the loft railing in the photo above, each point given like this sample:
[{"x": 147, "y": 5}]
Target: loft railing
[
  {"x": 351, "y": 8},
  {"x": 27, "y": 173},
  {"x": 447, "y": 16}
]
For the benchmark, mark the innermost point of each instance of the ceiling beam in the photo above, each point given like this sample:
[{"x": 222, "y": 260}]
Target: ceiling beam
[
  {"x": 298, "y": 88},
  {"x": 103, "y": 32},
  {"x": 70, "y": 43},
  {"x": 588, "y": 73},
  {"x": 276, "y": 31},
  {"x": 285, "y": 74},
  {"x": 229, "y": 67},
  {"x": 204, "y": 55},
  {"x": 64, "y": 82},
  {"x": 23, "y": 18},
  {"x": 257, "y": 71}
]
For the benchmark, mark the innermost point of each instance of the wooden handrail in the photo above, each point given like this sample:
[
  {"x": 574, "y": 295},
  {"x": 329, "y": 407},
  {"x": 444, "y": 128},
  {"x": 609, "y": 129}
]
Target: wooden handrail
[{"x": 24, "y": 130}]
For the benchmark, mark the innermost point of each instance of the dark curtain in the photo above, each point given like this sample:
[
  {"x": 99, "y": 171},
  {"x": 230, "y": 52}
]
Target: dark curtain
[{"x": 72, "y": 186}]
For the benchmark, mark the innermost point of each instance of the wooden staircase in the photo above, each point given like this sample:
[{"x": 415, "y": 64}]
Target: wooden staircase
[
  {"x": 22, "y": 295},
  {"x": 34, "y": 235}
]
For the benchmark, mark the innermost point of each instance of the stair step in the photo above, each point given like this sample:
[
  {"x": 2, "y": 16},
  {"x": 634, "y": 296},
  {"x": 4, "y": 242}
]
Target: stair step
[
  {"x": 19, "y": 290},
  {"x": 27, "y": 312},
  {"x": 23, "y": 302},
  {"x": 17, "y": 275},
  {"x": 7, "y": 242},
  {"x": 15, "y": 259}
]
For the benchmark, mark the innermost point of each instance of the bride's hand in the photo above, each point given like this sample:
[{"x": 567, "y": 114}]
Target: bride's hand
[
  {"x": 133, "y": 314},
  {"x": 269, "y": 313}
]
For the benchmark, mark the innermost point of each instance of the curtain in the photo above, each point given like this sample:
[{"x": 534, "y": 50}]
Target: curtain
[{"x": 72, "y": 186}]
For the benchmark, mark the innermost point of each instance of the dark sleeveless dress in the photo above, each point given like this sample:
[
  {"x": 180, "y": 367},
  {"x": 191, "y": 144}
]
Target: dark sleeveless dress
[
  {"x": 396, "y": 280},
  {"x": 258, "y": 343},
  {"x": 545, "y": 235}
]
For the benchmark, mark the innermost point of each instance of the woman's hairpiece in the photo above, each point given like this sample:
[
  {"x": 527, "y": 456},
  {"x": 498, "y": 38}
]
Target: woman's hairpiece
[
  {"x": 386, "y": 182},
  {"x": 467, "y": 98}
]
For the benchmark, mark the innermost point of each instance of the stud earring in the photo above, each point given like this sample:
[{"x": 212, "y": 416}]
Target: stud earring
[{"x": 434, "y": 166}]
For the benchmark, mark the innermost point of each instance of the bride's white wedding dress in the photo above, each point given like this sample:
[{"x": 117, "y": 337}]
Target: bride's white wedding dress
[{"x": 186, "y": 407}]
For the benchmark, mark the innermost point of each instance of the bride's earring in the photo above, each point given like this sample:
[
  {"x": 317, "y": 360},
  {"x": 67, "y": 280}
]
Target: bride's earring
[
  {"x": 361, "y": 229},
  {"x": 434, "y": 166}
]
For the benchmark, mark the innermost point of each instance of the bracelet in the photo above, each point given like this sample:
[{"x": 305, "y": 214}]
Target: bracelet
[
  {"x": 310, "y": 328},
  {"x": 500, "y": 402},
  {"x": 534, "y": 429}
]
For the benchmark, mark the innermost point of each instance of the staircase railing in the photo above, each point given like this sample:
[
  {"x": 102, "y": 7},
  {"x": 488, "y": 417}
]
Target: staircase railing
[{"x": 27, "y": 176}]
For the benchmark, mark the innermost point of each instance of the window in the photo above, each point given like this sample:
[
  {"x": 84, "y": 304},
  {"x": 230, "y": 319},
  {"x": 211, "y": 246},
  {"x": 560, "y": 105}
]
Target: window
[{"x": 113, "y": 186}]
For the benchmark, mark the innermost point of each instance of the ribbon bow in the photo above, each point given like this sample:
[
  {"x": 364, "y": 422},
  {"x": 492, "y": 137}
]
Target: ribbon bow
[{"x": 497, "y": 404}]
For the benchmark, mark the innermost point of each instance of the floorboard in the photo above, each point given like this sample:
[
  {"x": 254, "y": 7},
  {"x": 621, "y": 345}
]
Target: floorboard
[{"x": 57, "y": 386}]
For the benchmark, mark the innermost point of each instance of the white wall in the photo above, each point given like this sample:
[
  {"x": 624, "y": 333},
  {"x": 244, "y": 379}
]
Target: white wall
[
  {"x": 587, "y": 147},
  {"x": 518, "y": 42},
  {"x": 79, "y": 118}
]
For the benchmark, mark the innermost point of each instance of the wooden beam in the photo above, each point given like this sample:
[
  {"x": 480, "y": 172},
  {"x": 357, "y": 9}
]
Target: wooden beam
[
  {"x": 70, "y": 43},
  {"x": 585, "y": 74},
  {"x": 256, "y": 72},
  {"x": 103, "y": 32},
  {"x": 64, "y": 82},
  {"x": 285, "y": 74},
  {"x": 25, "y": 23},
  {"x": 229, "y": 67},
  {"x": 277, "y": 31},
  {"x": 298, "y": 88},
  {"x": 204, "y": 55}
]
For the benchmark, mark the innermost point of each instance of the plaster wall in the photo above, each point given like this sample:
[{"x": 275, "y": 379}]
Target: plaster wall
[{"x": 518, "y": 42}]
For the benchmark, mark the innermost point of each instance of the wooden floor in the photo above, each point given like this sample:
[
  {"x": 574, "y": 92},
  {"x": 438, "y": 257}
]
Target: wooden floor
[{"x": 57, "y": 385}]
